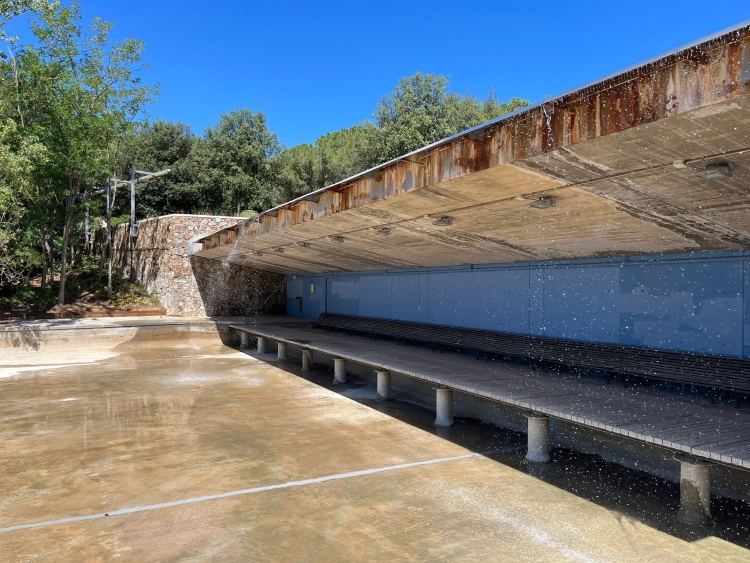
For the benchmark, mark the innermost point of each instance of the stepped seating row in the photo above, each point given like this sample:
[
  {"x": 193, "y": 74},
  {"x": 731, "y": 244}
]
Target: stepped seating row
[{"x": 719, "y": 373}]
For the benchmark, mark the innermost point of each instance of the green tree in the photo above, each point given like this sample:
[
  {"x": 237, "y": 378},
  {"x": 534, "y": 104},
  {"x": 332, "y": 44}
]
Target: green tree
[
  {"x": 80, "y": 94},
  {"x": 10, "y": 9},
  {"x": 233, "y": 163},
  {"x": 156, "y": 146},
  {"x": 420, "y": 111},
  {"x": 333, "y": 157},
  {"x": 18, "y": 157}
]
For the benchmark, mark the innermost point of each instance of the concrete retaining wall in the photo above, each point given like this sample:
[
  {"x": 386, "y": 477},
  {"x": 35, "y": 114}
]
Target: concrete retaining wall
[{"x": 191, "y": 286}]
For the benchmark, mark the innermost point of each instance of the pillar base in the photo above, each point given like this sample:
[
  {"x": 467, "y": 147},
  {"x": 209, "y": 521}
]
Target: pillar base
[
  {"x": 262, "y": 344},
  {"x": 695, "y": 491},
  {"x": 339, "y": 371},
  {"x": 444, "y": 407},
  {"x": 538, "y": 436},
  {"x": 244, "y": 339},
  {"x": 281, "y": 352},
  {"x": 693, "y": 517},
  {"x": 384, "y": 386}
]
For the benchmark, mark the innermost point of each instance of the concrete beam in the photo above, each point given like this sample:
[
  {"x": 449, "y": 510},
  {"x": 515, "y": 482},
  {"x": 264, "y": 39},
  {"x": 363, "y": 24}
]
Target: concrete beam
[{"x": 615, "y": 141}]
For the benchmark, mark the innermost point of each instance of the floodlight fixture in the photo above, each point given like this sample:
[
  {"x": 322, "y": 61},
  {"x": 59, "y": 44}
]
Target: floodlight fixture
[
  {"x": 544, "y": 202},
  {"x": 717, "y": 171},
  {"x": 444, "y": 221}
]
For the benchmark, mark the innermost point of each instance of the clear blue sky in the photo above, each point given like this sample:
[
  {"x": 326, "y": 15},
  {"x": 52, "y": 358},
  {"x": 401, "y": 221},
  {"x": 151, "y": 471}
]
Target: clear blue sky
[{"x": 315, "y": 67}]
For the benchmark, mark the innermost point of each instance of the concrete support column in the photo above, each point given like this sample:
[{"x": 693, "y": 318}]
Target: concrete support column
[
  {"x": 307, "y": 360},
  {"x": 695, "y": 491},
  {"x": 281, "y": 355},
  {"x": 384, "y": 385},
  {"x": 444, "y": 407},
  {"x": 244, "y": 339},
  {"x": 538, "y": 434},
  {"x": 339, "y": 371},
  {"x": 262, "y": 344}
]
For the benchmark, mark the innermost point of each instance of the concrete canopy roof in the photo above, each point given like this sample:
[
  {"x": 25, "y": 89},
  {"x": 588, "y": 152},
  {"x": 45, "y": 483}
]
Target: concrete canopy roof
[{"x": 615, "y": 168}]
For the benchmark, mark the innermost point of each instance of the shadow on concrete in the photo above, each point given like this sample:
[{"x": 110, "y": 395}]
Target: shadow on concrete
[
  {"x": 632, "y": 494},
  {"x": 28, "y": 336}
]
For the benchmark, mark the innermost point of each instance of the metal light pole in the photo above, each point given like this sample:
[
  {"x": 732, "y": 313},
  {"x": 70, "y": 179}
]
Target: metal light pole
[{"x": 111, "y": 191}]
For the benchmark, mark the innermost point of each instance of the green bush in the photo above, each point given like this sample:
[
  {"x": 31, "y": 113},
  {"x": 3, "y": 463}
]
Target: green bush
[
  {"x": 72, "y": 287},
  {"x": 27, "y": 297}
]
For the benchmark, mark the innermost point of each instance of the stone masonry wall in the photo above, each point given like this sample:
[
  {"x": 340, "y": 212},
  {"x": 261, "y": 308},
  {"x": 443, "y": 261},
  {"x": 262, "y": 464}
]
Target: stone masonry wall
[{"x": 188, "y": 285}]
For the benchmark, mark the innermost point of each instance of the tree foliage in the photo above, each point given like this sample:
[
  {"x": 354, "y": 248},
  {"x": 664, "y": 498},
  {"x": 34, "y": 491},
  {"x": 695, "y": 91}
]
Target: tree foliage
[
  {"x": 419, "y": 111},
  {"x": 18, "y": 157},
  {"x": 77, "y": 92},
  {"x": 71, "y": 116},
  {"x": 11, "y": 9},
  {"x": 234, "y": 163},
  {"x": 157, "y": 146},
  {"x": 238, "y": 167}
]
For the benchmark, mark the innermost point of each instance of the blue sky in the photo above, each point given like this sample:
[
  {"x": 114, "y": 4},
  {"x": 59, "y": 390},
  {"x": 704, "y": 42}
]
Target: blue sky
[{"x": 315, "y": 67}]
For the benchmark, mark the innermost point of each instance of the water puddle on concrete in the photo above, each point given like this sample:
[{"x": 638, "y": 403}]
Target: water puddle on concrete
[{"x": 163, "y": 455}]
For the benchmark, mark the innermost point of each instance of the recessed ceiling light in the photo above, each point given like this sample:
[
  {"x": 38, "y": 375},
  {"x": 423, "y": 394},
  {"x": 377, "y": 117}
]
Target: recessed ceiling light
[
  {"x": 717, "y": 171},
  {"x": 444, "y": 221},
  {"x": 544, "y": 202},
  {"x": 337, "y": 240},
  {"x": 384, "y": 232}
]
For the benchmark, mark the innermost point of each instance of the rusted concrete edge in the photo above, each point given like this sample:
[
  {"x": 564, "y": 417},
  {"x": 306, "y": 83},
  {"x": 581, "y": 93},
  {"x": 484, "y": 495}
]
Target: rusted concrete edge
[{"x": 712, "y": 71}]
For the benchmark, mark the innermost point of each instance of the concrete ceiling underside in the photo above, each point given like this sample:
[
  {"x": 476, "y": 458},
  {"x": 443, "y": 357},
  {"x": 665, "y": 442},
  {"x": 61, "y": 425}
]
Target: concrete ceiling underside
[{"x": 620, "y": 161}]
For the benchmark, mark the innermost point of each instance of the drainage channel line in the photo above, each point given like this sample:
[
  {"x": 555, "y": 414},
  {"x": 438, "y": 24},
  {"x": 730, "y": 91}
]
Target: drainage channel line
[{"x": 287, "y": 485}]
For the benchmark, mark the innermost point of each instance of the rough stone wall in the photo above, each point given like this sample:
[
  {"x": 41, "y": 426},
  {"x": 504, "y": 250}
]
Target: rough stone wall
[{"x": 188, "y": 285}]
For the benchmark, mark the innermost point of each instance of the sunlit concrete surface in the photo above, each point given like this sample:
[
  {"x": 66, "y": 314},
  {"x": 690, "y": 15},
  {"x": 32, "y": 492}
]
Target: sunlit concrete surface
[{"x": 190, "y": 418}]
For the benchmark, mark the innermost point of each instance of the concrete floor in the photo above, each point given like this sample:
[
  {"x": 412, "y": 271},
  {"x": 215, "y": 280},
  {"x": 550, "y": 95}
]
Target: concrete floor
[{"x": 186, "y": 419}]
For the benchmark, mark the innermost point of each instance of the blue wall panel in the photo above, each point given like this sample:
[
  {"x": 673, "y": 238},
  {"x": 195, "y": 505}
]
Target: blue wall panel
[
  {"x": 312, "y": 289},
  {"x": 581, "y": 303},
  {"x": 343, "y": 295},
  {"x": 694, "y": 306},
  {"x": 293, "y": 288},
  {"x": 390, "y": 297},
  {"x": 489, "y": 299},
  {"x": 693, "y": 303},
  {"x": 536, "y": 301}
]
